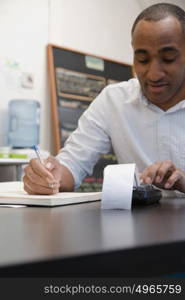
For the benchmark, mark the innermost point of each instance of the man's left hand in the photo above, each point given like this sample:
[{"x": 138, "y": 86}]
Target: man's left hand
[{"x": 165, "y": 175}]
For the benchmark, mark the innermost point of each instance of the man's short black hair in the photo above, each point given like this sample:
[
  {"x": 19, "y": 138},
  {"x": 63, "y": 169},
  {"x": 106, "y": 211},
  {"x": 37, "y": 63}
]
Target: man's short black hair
[{"x": 160, "y": 11}]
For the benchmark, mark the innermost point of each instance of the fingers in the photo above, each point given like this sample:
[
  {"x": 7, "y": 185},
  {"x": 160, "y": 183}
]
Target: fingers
[
  {"x": 51, "y": 163},
  {"x": 164, "y": 174},
  {"x": 150, "y": 173},
  {"x": 34, "y": 177},
  {"x": 158, "y": 173},
  {"x": 173, "y": 179},
  {"x": 40, "y": 169},
  {"x": 34, "y": 188},
  {"x": 38, "y": 178}
]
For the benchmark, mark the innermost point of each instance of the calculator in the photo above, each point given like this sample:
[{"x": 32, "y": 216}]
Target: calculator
[{"x": 146, "y": 194}]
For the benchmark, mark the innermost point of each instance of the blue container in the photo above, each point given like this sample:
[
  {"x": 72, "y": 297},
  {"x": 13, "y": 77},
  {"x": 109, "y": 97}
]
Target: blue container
[{"x": 23, "y": 123}]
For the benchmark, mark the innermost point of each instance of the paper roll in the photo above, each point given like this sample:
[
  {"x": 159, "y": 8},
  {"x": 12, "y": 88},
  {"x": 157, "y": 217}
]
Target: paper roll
[{"x": 118, "y": 186}]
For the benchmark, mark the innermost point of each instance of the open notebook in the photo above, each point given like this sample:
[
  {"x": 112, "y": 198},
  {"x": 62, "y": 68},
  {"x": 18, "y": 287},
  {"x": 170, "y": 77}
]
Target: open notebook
[{"x": 13, "y": 193}]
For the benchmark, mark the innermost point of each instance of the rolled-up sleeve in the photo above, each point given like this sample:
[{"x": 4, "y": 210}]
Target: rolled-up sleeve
[{"x": 91, "y": 139}]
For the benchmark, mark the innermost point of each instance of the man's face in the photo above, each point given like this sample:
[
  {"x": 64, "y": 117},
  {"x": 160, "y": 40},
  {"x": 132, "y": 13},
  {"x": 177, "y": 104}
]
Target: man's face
[{"x": 159, "y": 60}]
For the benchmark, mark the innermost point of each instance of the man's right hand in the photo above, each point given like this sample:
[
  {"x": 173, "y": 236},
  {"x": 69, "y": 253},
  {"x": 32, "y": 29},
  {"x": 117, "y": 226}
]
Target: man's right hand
[{"x": 48, "y": 178}]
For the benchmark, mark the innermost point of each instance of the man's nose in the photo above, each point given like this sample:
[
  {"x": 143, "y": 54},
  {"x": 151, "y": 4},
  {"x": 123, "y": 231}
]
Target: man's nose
[{"x": 155, "y": 71}]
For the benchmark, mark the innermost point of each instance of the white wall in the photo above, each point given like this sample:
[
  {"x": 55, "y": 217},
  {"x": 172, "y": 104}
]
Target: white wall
[
  {"x": 24, "y": 35},
  {"x": 146, "y": 3},
  {"x": 100, "y": 27}
]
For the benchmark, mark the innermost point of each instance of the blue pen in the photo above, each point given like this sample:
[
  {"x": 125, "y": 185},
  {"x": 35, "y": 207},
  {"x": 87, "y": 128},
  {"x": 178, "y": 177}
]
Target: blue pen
[
  {"x": 38, "y": 154},
  {"x": 51, "y": 184}
]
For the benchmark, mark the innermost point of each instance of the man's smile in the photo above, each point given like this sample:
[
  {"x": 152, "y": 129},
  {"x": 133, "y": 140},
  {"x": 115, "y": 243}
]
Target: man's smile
[{"x": 156, "y": 87}]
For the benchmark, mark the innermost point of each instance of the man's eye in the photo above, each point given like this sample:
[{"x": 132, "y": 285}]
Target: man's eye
[
  {"x": 143, "y": 61},
  {"x": 168, "y": 60}
]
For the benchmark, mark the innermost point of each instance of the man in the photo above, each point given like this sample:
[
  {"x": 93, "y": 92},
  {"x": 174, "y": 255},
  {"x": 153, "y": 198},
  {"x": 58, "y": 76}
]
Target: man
[{"x": 143, "y": 119}]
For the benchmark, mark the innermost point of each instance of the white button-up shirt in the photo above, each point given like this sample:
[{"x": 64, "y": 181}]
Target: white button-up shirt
[{"x": 138, "y": 131}]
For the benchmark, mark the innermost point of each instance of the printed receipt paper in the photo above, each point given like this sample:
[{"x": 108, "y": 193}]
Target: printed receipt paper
[{"x": 118, "y": 186}]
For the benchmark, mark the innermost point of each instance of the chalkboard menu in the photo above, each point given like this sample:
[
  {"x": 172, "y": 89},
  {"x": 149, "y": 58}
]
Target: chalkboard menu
[{"x": 76, "y": 78}]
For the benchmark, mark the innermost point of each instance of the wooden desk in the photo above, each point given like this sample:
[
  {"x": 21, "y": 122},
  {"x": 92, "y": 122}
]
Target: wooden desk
[{"x": 83, "y": 240}]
